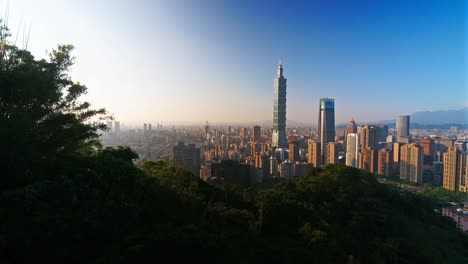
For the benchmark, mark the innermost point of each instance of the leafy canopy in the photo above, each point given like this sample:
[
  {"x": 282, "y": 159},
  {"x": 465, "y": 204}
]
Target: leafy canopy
[{"x": 42, "y": 120}]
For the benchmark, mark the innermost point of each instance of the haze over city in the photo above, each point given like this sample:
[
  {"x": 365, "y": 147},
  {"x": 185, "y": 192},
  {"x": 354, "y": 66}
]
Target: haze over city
[{"x": 182, "y": 61}]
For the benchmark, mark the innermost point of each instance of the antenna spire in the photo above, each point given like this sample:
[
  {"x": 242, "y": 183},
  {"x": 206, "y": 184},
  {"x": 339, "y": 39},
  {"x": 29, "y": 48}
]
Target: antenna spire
[{"x": 280, "y": 68}]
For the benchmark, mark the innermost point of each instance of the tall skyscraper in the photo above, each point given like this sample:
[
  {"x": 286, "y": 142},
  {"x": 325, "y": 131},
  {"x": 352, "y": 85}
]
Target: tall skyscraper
[
  {"x": 454, "y": 161},
  {"x": 411, "y": 163},
  {"x": 402, "y": 128},
  {"x": 314, "y": 153},
  {"x": 326, "y": 125},
  {"x": 256, "y": 133},
  {"x": 279, "y": 138},
  {"x": 352, "y": 150}
]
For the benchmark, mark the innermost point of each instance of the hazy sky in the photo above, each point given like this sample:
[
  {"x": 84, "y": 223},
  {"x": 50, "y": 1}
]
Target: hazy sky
[{"x": 216, "y": 60}]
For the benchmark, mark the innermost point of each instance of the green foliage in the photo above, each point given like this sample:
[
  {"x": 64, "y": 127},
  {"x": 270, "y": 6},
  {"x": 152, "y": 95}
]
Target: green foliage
[
  {"x": 43, "y": 122},
  {"x": 443, "y": 197}
]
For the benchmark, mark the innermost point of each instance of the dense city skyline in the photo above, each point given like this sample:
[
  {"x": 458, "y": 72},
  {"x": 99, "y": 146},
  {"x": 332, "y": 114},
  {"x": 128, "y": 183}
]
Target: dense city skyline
[{"x": 397, "y": 58}]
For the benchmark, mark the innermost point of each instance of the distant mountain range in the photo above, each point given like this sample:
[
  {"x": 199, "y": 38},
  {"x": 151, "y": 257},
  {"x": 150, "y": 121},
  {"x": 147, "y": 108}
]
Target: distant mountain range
[
  {"x": 442, "y": 117},
  {"x": 428, "y": 118}
]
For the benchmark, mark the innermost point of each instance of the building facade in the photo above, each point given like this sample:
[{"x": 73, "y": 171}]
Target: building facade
[
  {"x": 369, "y": 137},
  {"x": 351, "y": 129},
  {"x": 332, "y": 153},
  {"x": 411, "y": 163},
  {"x": 279, "y": 137},
  {"x": 403, "y": 128},
  {"x": 454, "y": 164},
  {"x": 314, "y": 153},
  {"x": 352, "y": 150},
  {"x": 326, "y": 126},
  {"x": 294, "y": 150},
  {"x": 384, "y": 166},
  {"x": 256, "y": 132},
  {"x": 368, "y": 160}
]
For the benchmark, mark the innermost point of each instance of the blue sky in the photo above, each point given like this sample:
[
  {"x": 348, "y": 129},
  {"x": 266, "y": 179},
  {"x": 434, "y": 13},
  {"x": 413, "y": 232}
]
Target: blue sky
[{"x": 190, "y": 61}]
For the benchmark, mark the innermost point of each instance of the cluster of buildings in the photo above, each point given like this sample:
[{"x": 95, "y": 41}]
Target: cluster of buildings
[{"x": 247, "y": 156}]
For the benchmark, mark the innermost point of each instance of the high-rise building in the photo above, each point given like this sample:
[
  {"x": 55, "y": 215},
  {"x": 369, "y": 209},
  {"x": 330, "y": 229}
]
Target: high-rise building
[
  {"x": 279, "y": 138},
  {"x": 294, "y": 150},
  {"x": 396, "y": 152},
  {"x": 244, "y": 132},
  {"x": 396, "y": 147},
  {"x": 326, "y": 125},
  {"x": 368, "y": 160},
  {"x": 273, "y": 166},
  {"x": 207, "y": 128},
  {"x": 443, "y": 144},
  {"x": 228, "y": 130},
  {"x": 369, "y": 138},
  {"x": 285, "y": 169},
  {"x": 187, "y": 157},
  {"x": 403, "y": 128},
  {"x": 352, "y": 150},
  {"x": 256, "y": 133},
  {"x": 382, "y": 133},
  {"x": 411, "y": 163},
  {"x": 314, "y": 153},
  {"x": 454, "y": 163},
  {"x": 332, "y": 153},
  {"x": 428, "y": 145},
  {"x": 384, "y": 162},
  {"x": 352, "y": 128}
]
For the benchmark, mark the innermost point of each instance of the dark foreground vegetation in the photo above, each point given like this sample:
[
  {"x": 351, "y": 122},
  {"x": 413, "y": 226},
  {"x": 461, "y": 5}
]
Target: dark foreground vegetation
[{"x": 65, "y": 199}]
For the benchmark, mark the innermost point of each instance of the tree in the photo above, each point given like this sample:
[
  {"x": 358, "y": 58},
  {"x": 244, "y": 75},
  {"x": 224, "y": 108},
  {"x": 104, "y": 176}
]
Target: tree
[{"x": 43, "y": 123}]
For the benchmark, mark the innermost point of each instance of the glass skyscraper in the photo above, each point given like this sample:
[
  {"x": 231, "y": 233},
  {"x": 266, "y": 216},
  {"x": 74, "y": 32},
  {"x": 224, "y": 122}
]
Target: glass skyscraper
[
  {"x": 279, "y": 138},
  {"x": 402, "y": 128},
  {"x": 326, "y": 125}
]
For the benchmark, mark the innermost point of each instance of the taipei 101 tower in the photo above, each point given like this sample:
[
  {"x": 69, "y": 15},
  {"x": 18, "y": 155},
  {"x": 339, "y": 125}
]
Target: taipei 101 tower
[{"x": 279, "y": 138}]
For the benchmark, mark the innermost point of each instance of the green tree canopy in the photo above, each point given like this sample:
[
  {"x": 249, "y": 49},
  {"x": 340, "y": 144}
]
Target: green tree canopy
[{"x": 42, "y": 120}]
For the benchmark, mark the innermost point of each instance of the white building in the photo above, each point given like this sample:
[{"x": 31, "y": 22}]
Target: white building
[{"x": 352, "y": 150}]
